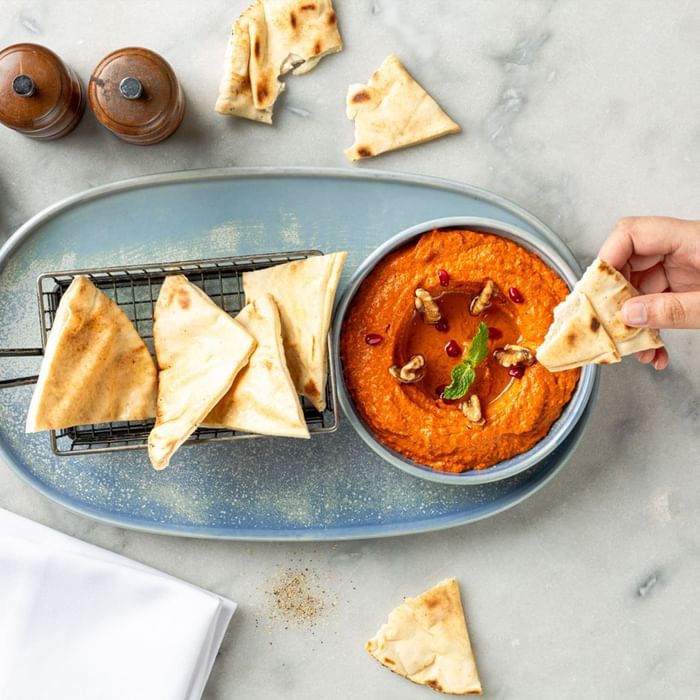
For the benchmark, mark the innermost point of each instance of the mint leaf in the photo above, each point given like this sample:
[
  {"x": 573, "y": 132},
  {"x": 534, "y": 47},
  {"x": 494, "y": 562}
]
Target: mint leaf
[
  {"x": 464, "y": 374},
  {"x": 479, "y": 348}
]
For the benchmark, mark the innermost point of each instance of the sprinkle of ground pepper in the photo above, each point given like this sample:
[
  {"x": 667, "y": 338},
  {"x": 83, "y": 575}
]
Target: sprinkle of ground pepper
[{"x": 296, "y": 597}]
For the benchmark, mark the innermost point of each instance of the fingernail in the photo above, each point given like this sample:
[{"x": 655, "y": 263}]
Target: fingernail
[{"x": 635, "y": 313}]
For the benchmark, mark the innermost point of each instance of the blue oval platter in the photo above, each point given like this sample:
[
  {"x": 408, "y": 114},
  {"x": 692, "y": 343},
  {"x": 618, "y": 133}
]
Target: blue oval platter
[{"x": 331, "y": 487}]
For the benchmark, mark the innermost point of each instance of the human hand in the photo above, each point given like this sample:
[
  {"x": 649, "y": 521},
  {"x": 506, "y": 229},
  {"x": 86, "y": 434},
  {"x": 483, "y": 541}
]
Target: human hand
[{"x": 661, "y": 258}]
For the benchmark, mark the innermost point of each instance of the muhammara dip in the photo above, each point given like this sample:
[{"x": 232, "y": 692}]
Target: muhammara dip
[{"x": 415, "y": 318}]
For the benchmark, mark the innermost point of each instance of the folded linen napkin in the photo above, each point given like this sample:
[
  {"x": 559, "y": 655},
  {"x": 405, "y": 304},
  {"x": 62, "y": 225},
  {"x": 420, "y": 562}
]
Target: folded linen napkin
[{"x": 80, "y": 622}]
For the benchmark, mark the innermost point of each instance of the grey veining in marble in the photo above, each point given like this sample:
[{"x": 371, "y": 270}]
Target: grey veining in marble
[{"x": 582, "y": 113}]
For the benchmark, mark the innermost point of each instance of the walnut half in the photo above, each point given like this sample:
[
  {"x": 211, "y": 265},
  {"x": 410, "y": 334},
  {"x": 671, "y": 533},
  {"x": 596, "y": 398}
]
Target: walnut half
[
  {"x": 513, "y": 355},
  {"x": 471, "y": 408},
  {"x": 427, "y": 306},
  {"x": 483, "y": 301},
  {"x": 413, "y": 371}
]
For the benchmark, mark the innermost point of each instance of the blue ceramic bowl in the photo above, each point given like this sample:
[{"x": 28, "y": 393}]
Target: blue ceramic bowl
[{"x": 573, "y": 412}]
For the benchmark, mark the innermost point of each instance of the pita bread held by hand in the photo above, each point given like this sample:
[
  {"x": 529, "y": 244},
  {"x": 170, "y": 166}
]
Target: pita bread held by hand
[
  {"x": 426, "y": 641},
  {"x": 262, "y": 398},
  {"x": 269, "y": 39},
  {"x": 569, "y": 343},
  {"x": 576, "y": 337},
  {"x": 96, "y": 367},
  {"x": 304, "y": 291},
  {"x": 393, "y": 111},
  {"x": 607, "y": 290},
  {"x": 200, "y": 350}
]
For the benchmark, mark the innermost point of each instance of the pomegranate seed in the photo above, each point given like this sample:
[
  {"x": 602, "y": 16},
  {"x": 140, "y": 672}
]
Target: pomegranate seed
[
  {"x": 494, "y": 333},
  {"x": 442, "y": 326},
  {"x": 373, "y": 339},
  {"x": 516, "y": 372},
  {"x": 515, "y": 295},
  {"x": 453, "y": 349},
  {"x": 444, "y": 277}
]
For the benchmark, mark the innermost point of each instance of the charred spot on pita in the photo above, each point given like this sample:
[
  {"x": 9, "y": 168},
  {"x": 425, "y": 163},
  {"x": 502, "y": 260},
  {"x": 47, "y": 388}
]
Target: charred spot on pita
[
  {"x": 293, "y": 20},
  {"x": 595, "y": 324},
  {"x": 262, "y": 91},
  {"x": 310, "y": 6},
  {"x": 317, "y": 48},
  {"x": 331, "y": 17},
  {"x": 257, "y": 47},
  {"x": 361, "y": 96},
  {"x": 432, "y": 602},
  {"x": 183, "y": 299},
  {"x": 571, "y": 339},
  {"x": 364, "y": 151}
]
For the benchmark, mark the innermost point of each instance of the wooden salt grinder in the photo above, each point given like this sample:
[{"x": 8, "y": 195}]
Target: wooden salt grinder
[
  {"x": 136, "y": 95},
  {"x": 40, "y": 96}
]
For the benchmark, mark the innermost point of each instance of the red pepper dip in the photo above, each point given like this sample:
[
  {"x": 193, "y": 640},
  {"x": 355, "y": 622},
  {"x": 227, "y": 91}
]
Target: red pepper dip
[{"x": 398, "y": 349}]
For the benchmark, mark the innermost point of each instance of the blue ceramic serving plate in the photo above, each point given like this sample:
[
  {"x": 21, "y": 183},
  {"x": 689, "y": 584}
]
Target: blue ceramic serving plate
[{"x": 331, "y": 487}]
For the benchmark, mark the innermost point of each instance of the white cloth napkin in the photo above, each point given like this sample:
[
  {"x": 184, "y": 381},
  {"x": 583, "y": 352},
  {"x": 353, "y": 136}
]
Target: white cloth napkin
[{"x": 79, "y": 622}]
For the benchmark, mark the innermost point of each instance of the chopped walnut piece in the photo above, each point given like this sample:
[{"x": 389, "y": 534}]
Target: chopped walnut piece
[
  {"x": 483, "y": 301},
  {"x": 514, "y": 355},
  {"x": 413, "y": 371},
  {"x": 472, "y": 410},
  {"x": 427, "y": 306}
]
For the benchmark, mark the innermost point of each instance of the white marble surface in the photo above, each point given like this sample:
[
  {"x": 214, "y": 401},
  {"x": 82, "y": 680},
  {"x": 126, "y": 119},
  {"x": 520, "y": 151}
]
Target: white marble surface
[{"x": 581, "y": 112}]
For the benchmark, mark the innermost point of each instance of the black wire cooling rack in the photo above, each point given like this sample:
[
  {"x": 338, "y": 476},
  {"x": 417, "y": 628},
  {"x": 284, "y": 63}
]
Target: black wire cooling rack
[{"x": 135, "y": 290}]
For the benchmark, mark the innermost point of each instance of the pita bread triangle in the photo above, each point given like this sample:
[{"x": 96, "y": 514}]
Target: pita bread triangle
[
  {"x": 393, "y": 111},
  {"x": 607, "y": 289},
  {"x": 576, "y": 337},
  {"x": 426, "y": 641},
  {"x": 304, "y": 291},
  {"x": 295, "y": 35},
  {"x": 200, "y": 350},
  {"x": 235, "y": 89},
  {"x": 269, "y": 39},
  {"x": 96, "y": 367},
  {"x": 262, "y": 398}
]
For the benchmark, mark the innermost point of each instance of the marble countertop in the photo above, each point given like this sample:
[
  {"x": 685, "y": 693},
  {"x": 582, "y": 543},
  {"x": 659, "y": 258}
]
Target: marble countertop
[{"x": 580, "y": 112}]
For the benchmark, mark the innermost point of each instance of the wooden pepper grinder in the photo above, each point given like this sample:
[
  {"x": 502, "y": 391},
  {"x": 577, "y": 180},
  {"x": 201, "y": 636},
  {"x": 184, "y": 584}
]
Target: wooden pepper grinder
[
  {"x": 135, "y": 94},
  {"x": 40, "y": 96}
]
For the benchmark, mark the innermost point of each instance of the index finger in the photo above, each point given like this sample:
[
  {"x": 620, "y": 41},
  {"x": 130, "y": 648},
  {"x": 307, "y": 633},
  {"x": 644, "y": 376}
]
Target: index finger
[{"x": 642, "y": 236}]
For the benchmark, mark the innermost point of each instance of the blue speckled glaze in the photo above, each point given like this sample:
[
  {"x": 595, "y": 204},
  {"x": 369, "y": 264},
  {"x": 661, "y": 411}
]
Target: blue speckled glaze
[{"x": 331, "y": 487}]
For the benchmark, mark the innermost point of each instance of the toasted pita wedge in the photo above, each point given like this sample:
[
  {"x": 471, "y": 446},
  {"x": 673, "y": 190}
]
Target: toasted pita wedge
[
  {"x": 393, "y": 111},
  {"x": 298, "y": 35},
  {"x": 262, "y": 398},
  {"x": 96, "y": 367},
  {"x": 607, "y": 289},
  {"x": 426, "y": 641},
  {"x": 576, "y": 337},
  {"x": 304, "y": 291},
  {"x": 271, "y": 38},
  {"x": 200, "y": 349},
  {"x": 235, "y": 90}
]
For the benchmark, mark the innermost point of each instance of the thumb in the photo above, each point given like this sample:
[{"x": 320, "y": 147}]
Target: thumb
[{"x": 666, "y": 310}]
